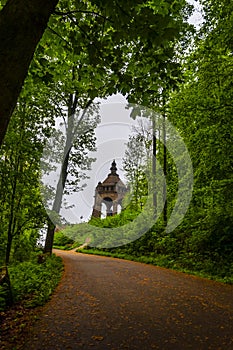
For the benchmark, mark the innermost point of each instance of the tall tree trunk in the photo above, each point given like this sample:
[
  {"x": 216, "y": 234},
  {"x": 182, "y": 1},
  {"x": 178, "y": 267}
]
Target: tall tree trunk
[
  {"x": 72, "y": 128},
  {"x": 63, "y": 173},
  {"x": 164, "y": 171},
  {"x": 154, "y": 166},
  {"x": 49, "y": 237},
  {"x": 58, "y": 196},
  {"x": 22, "y": 24},
  {"x": 10, "y": 230},
  {"x": 8, "y": 247}
]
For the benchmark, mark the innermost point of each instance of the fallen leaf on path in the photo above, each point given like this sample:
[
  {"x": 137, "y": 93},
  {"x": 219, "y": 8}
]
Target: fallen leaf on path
[{"x": 97, "y": 337}]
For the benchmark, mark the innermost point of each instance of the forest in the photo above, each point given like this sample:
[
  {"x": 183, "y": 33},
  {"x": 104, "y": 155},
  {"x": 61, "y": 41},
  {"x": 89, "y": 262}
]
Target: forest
[{"x": 150, "y": 53}]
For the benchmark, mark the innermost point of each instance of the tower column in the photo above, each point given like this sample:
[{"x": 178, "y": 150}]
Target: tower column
[
  {"x": 114, "y": 210},
  {"x": 96, "y": 213}
]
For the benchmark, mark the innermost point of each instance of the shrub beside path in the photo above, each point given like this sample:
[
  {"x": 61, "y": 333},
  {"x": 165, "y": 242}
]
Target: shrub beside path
[{"x": 106, "y": 303}]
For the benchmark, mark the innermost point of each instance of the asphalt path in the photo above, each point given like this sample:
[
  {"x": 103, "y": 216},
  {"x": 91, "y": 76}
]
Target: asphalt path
[{"x": 106, "y": 303}]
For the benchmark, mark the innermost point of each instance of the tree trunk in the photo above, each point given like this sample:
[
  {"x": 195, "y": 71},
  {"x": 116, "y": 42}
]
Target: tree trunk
[
  {"x": 154, "y": 166},
  {"x": 5, "y": 283},
  {"x": 8, "y": 248},
  {"x": 10, "y": 230},
  {"x": 70, "y": 134},
  {"x": 49, "y": 238},
  {"x": 164, "y": 171},
  {"x": 22, "y": 24},
  {"x": 63, "y": 174},
  {"x": 58, "y": 197}
]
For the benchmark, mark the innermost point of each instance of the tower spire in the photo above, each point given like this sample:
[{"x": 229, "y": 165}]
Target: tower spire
[{"x": 113, "y": 168}]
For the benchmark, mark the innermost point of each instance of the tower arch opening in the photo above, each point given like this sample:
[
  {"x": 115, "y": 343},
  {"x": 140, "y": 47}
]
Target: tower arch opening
[{"x": 109, "y": 204}]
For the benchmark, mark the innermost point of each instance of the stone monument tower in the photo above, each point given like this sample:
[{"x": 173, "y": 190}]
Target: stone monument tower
[{"x": 110, "y": 192}]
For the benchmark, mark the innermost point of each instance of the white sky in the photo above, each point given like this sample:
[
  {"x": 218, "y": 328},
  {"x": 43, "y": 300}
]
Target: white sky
[{"x": 196, "y": 18}]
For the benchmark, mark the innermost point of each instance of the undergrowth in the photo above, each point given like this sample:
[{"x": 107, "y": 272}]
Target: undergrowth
[{"x": 32, "y": 282}]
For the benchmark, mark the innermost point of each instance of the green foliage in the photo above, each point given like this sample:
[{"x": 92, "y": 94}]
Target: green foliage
[
  {"x": 204, "y": 107},
  {"x": 25, "y": 246},
  {"x": 62, "y": 241},
  {"x": 137, "y": 163},
  {"x": 78, "y": 233},
  {"x": 125, "y": 216},
  {"x": 21, "y": 210},
  {"x": 33, "y": 282}
]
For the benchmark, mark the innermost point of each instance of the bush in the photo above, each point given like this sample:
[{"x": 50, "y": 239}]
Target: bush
[
  {"x": 34, "y": 282},
  {"x": 61, "y": 240}
]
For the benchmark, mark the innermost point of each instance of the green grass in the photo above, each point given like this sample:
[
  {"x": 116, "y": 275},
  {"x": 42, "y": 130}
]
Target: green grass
[
  {"x": 67, "y": 246},
  {"x": 63, "y": 242}
]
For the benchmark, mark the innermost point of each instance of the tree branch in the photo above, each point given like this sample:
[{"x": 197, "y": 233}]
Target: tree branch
[
  {"x": 86, "y": 35},
  {"x": 123, "y": 11},
  {"x": 63, "y": 14},
  {"x": 56, "y": 33}
]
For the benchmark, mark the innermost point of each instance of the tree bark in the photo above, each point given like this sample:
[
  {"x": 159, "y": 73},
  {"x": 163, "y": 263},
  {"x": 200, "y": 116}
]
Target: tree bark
[
  {"x": 154, "y": 167},
  {"x": 5, "y": 283},
  {"x": 165, "y": 170},
  {"x": 49, "y": 238},
  {"x": 22, "y": 24}
]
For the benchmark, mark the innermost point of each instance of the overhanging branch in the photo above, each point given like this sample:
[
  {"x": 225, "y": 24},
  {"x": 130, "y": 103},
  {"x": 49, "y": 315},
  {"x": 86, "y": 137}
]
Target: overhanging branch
[{"x": 63, "y": 14}]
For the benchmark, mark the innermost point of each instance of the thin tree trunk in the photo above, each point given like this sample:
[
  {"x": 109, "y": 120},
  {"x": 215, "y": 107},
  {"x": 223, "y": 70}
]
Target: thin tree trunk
[
  {"x": 164, "y": 170},
  {"x": 10, "y": 230},
  {"x": 8, "y": 247},
  {"x": 10, "y": 235},
  {"x": 154, "y": 167},
  {"x": 70, "y": 133},
  {"x": 22, "y": 24},
  {"x": 59, "y": 194},
  {"x": 63, "y": 173}
]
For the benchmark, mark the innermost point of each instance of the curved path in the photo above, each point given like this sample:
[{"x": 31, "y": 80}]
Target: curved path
[{"x": 105, "y": 303}]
